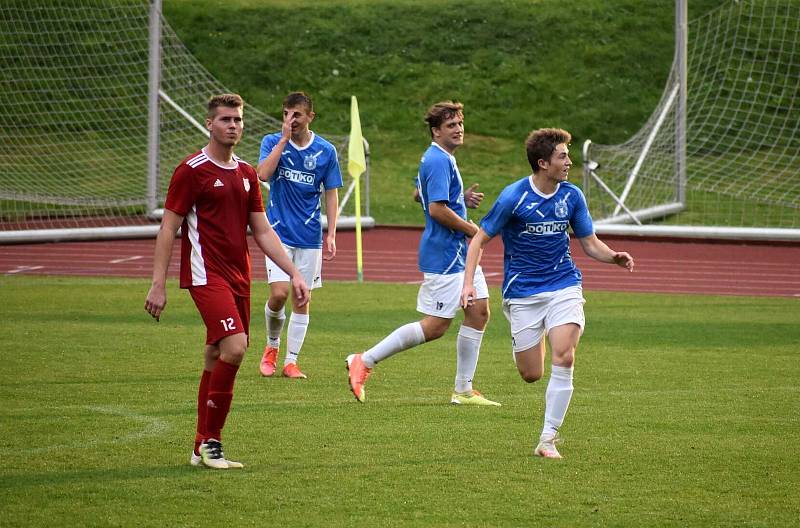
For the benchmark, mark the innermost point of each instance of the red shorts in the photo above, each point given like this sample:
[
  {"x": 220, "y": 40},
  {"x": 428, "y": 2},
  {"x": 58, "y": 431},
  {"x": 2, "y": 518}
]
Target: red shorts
[{"x": 223, "y": 312}]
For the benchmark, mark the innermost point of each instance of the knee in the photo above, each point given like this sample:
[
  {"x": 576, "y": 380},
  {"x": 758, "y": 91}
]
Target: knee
[
  {"x": 564, "y": 358},
  {"x": 234, "y": 356},
  {"x": 434, "y": 328},
  {"x": 483, "y": 316},
  {"x": 530, "y": 376},
  {"x": 302, "y": 310},
  {"x": 277, "y": 296},
  {"x": 233, "y": 348},
  {"x": 477, "y": 316},
  {"x": 277, "y": 299},
  {"x": 434, "y": 332}
]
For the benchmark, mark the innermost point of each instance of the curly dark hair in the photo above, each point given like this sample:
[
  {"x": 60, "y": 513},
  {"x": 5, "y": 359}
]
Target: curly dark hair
[{"x": 541, "y": 144}]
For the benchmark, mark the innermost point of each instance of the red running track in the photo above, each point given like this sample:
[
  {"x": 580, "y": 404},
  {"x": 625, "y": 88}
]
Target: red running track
[{"x": 390, "y": 254}]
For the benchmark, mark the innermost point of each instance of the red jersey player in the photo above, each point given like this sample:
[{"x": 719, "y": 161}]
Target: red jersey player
[{"x": 214, "y": 196}]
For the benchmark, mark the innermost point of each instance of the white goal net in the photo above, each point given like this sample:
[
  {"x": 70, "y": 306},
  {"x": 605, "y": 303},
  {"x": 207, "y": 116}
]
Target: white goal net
[
  {"x": 742, "y": 131},
  {"x": 74, "y": 127}
]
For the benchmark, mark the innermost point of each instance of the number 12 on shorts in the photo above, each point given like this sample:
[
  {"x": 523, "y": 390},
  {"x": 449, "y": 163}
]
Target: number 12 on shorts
[{"x": 228, "y": 324}]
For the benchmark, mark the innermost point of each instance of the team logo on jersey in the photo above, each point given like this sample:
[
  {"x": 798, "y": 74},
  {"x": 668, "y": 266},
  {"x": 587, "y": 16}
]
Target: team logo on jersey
[
  {"x": 246, "y": 184},
  {"x": 561, "y": 209},
  {"x": 310, "y": 162}
]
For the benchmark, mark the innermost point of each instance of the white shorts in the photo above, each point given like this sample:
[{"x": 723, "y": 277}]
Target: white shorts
[
  {"x": 307, "y": 261},
  {"x": 531, "y": 317},
  {"x": 440, "y": 295}
]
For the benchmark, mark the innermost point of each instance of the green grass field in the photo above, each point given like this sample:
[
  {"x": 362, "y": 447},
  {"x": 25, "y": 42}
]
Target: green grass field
[{"x": 685, "y": 414}]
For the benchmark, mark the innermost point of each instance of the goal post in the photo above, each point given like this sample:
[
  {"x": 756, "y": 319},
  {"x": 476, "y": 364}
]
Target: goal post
[
  {"x": 102, "y": 101},
  {"x": 718, "y": 156}
]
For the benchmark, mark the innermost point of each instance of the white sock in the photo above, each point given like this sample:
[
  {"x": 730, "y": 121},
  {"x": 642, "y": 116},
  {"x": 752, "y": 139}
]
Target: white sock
[
  {"x": 556, "y": 398},
  {"x": 403, "y": 338},
  {"x": 295, "y": 335},
  {"x": 275, "y": 322},
  {"x": 468, "y": 347}
]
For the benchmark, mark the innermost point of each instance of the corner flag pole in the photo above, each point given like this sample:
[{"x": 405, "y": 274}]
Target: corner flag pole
[{"x": 356, "y": 165}]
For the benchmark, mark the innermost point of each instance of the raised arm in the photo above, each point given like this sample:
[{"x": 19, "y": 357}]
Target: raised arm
[
  {"x": 332, "y": 214},
  {"x": 270, "y": 244},
  {"x": 598, "y": 250},
  {"x": 266, "y": 168},
  {"x": 474, "y": 254},
  {"x": 156, "y": 299}
]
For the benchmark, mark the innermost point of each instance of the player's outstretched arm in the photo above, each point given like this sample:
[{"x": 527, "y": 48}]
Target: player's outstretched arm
[
  {"x": 156, "y": 299},
  {"x": 598, "y": 250},
  {"x": 332, "y": 214},
  {"x": 270, "y": 244},
  {"x": 474, "y": 253}
]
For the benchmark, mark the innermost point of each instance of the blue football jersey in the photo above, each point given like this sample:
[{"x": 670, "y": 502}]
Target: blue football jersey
[
  {"x": 441, "y": 249},
  {"x": 534, "y": 227},
  {"x": 293, "y": 208}
]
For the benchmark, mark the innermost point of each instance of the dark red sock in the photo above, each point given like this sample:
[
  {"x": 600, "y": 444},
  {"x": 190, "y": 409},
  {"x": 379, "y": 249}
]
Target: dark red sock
[
  {"x": 202, "y": 398},
  {"x": 220, "y": 395}
]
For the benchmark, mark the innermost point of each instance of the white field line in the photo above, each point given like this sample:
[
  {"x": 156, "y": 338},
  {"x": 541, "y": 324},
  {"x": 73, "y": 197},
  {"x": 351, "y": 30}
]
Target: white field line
[{"x": 149, "y": 427}]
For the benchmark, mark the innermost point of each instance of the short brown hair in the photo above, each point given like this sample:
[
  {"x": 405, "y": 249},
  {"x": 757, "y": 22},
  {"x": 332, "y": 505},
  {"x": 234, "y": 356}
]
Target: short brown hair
[
  {"x": 440, "y": 112},
  {"x": 542, "y": 143},
  {"x": 298, "y": 99},
  {"x": 230, "y": 100}
]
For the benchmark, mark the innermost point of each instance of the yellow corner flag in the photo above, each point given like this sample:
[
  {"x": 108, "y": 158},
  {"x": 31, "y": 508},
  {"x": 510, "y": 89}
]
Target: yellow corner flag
[{"x": 356, "y": 165}]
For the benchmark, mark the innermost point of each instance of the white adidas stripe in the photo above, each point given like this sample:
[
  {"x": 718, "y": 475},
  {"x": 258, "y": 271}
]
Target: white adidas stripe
[
  {"x": 201, "y": 155},
  {"x": 197, "y": 160}
]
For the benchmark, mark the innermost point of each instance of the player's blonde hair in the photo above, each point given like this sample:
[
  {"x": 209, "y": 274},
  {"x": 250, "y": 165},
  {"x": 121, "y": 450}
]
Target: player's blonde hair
[
  {"x": 440, "y": 112},
  {"x": 229, "y": 100},
  {"x": 541, "y": 144}
]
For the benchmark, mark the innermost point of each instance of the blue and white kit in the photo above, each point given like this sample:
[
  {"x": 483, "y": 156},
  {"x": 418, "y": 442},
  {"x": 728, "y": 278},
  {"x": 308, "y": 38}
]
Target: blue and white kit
[
  {"x": 534, "y": 229},
  {"x": 441, "y": 250},
  {"x": 293, "y": 209}
]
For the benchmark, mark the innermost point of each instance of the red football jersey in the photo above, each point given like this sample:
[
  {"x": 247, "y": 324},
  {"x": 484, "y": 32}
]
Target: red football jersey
[{"x": 216, "y": 203}]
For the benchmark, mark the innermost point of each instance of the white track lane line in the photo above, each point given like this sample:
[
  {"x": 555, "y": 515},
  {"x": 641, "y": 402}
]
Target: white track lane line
[
  {"x": 126, "y": 259},
  {"x": 23, "y": 269}
]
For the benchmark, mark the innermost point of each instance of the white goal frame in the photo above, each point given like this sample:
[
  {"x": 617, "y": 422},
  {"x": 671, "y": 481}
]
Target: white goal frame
[{"x": 624, "y": 221}]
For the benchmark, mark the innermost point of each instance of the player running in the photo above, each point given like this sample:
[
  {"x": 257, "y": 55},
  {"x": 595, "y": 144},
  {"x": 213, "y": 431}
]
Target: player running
[
  {"x": 541, "y": 285},
  {"x": 441, "y": 259}
]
